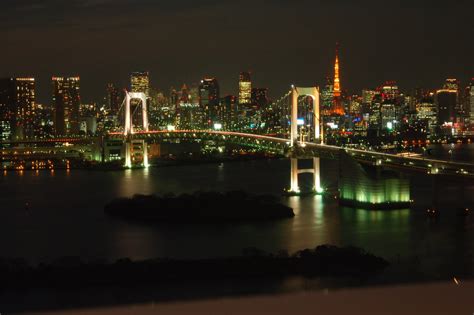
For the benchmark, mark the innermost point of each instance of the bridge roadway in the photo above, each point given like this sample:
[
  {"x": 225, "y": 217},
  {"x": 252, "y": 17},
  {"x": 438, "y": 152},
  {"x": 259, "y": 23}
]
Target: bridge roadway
[
  {"x": 309, "y": 149},
  {"x": 282, "y": 146}
]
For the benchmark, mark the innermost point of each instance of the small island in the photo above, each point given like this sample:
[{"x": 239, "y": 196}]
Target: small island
[{"x": 200, "y": 207}]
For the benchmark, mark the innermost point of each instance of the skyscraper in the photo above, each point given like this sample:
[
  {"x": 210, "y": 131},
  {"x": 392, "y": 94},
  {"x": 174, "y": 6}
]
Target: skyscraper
[
  {"x": 327, "y": 97},
  {"x": 66, "y": 100},
  {"x": 245, "y": 89},
  {"x": 470, "y": 97},
  {"x": 17, "y": 106},
  {"x": 426, "y": 111},
  {"x": 259, "y": 98},
  {"x": 446, "y": 101},
  {"x": 114, "y": 98},
  {"x": 451, "y": 84},
  {"x": 209, "y": 99},
  {"x": 338, "y": 107},
  {"x": 140, "y": 82}
]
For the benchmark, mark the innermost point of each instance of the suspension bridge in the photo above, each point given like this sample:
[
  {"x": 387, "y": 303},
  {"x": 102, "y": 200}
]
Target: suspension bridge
[{"x": 363, "y": 181}]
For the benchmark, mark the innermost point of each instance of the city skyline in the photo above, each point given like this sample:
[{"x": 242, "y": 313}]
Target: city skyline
[{"x": 102, "y": 42}]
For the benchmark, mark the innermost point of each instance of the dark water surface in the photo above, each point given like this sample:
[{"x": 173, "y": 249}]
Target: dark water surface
[{"x": 65, "y": 217}]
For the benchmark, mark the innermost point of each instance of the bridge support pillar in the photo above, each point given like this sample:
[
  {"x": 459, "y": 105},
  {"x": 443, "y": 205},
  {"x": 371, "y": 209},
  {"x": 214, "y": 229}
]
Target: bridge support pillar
[
  {"x": 317, "y": 175},
  {"x": 128, "y": 155},
  {"x": 295, "y": 171},
  {"x": 294, "y": 187},
  {"x": 136, "y": 153}
]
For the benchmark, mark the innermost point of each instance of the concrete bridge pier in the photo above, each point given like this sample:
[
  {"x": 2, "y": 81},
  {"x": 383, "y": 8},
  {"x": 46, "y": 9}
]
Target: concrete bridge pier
[
  {"x": 128, "y": 154},
  {"x": 295, "y": 171},
  {"x": 136, "y": 153}
]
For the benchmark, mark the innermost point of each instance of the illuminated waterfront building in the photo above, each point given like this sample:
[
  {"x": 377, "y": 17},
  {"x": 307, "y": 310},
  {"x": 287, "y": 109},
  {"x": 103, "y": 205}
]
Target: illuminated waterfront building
[
  {"x": 66, "y": 100},
  {"x": 245, "y": 89},
  {"x": 17, "y": 108}
]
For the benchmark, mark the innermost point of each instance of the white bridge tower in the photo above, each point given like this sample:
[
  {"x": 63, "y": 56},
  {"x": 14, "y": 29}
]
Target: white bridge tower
[
  {"x": 136, "y": 151},
  {"x": 313, "y": 92}
]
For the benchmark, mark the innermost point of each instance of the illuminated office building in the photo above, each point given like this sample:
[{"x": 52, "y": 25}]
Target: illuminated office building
[
  {"x": 66, "y": 100},
  {"x": 389, "y": 91},
  {"x": 209, "y": 101},
  {"x": 259, "y": 98},
  {"x": 327, "y": 97},
  {"x": 451, "y": 84},
  {"x": 140, "y": 82},
  {"x": 17, "y": 108},
  {"x": 470, "y": 98},
  {"x": 114, "y": 98},
  {"x": 229, "y": 112},
  {"x": 426, "y": 111},
  {"x": 245, "y": 89},
  {"x": 446, "y": 101}
]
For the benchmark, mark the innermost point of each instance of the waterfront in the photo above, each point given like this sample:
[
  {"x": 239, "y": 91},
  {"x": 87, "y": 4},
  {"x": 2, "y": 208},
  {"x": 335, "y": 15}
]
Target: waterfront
[{"x": 65, "y": 217}]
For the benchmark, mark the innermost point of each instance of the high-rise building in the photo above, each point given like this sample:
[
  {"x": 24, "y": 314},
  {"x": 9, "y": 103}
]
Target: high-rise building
[
  {"x": 446, "y": 101},
  {"x": 388, "y": 115},
  {"x": 229, "y": 112},
  {"x": 184, "y": 97},
  {"x": 338, "y": 106},
  {"x": 368, "y": 96},
  {"x": 327, "y": 97},
  {"x": 389, "y": 91},
  {"x": 259, "y": 98},
  {"x": 114, "y": 98},
  {"x": 451, "y": 84},
  {"x": 209, "y": 100},
  {"x": 140, "y": 82},
  {"x": 426, "y": 111},
  {"x": 66, "y": 100},
  {"x": 17, "y": 107},
  {"x": 470, "y": 98},
  {"x": 245, "y": 89}
]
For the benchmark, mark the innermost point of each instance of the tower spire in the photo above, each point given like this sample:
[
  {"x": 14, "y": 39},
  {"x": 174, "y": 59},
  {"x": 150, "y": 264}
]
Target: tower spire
[
  {"x": 337, "y": 109},
  {"x": 337, "y": 82}
]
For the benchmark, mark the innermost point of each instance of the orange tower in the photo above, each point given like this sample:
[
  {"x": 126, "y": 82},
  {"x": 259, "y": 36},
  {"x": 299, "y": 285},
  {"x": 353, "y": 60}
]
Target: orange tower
[{"x": 337, "y": 108}]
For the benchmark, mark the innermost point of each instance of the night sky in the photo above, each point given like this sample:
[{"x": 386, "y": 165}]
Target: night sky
[{"x": 417, "y": 43}]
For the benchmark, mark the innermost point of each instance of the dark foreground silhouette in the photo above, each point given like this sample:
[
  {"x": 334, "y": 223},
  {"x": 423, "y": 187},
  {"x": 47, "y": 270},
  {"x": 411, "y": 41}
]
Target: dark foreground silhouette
[
  {"x": 200, "y": 207},
  {"x": 324, "y": 260}
]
